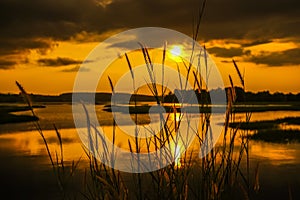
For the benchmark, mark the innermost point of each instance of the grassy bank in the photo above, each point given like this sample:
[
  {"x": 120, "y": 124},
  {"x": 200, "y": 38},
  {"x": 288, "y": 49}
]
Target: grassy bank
[
  {"x": 7, "y": 116},
  {"x": 272, "y": 130},
  {"x": 266, "y": 124},
  {"x": 239, "y": 108},
  {"x": 276, "y": 136}
]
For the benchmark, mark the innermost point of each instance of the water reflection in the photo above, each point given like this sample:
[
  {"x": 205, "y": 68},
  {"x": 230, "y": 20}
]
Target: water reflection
[
  {"x": 276, "y": 154},
  {"x": 31, "y": 144},
  {"x": 269, "y": 115},
  {"x": 22, "y": 140}
]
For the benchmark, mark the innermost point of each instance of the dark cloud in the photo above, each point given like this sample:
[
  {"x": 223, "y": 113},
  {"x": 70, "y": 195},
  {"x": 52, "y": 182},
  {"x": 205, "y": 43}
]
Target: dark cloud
[
  {"x": 229, "y": 61},
  {"x": 7, "y": 64},
  {"x": 11, "y": 61},
  {"x": 22, "y": 22},
  {"x": 254, "y": 20},
  {"x": 256, "y": 42},
  {"x": 17, "y": 45},
  {"x": 284, "y": 58},
  {"x": 76, "y": 69},
  {"x": 32, "y": 18},
  {"x": 223, "y": 19},
  {"x": 14, "y": 51},
  {"x": 57, "y": 62},
  {"x": 227, "y": 53}
]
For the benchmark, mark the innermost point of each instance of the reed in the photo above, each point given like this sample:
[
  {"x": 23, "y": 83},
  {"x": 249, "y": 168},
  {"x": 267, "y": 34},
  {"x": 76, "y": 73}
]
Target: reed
[
  {"x": 218, "y": 175},
  {"x": 241, "y": 77},
  {"x": 215, "y": 176},
  {"x": 62, "y": 172}
]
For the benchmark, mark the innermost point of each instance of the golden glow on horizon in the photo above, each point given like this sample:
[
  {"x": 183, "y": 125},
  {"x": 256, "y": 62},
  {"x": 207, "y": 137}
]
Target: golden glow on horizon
[
  {"x": 55, "y": 79},
  {"x": 120, "y": 66},
  {"x": 45, "y": 79},
  {"x": 275, "y": 46},
  {"x": 258, "y": 77}
]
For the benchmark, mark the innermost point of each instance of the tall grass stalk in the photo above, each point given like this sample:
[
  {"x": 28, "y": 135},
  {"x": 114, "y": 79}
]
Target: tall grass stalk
[
  {"x": 217, "y": 175},
  {"x": 247, "y": 120},
  {"x": 57, "y": 161}
]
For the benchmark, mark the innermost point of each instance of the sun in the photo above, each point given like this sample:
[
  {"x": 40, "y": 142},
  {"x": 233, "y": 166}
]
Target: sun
[
  {"x": 176, "y": 50},
  {"x": 176, "y": 53}
]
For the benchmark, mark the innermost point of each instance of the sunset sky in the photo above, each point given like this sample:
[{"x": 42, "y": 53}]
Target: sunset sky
[{"x": 43, "y": 42}]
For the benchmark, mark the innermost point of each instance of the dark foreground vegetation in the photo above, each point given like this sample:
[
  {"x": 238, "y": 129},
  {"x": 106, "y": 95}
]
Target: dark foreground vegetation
[
  {"x": 277, "y": 130},
  {"x": 8, "y": 114}
]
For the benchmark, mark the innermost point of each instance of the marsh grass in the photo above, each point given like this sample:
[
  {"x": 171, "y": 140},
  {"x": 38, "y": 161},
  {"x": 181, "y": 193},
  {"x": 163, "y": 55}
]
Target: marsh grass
[
  {"x": 267, "y": 124},
  {"x": 276, "y": 135},
  {"x": 63, "y": 171},
  {"x": 217, "y": 175},
  {"x": 272, "y": 130}
]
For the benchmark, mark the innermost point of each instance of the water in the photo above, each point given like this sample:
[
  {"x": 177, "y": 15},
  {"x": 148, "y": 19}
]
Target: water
[{"x": 25, "y": 161}]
